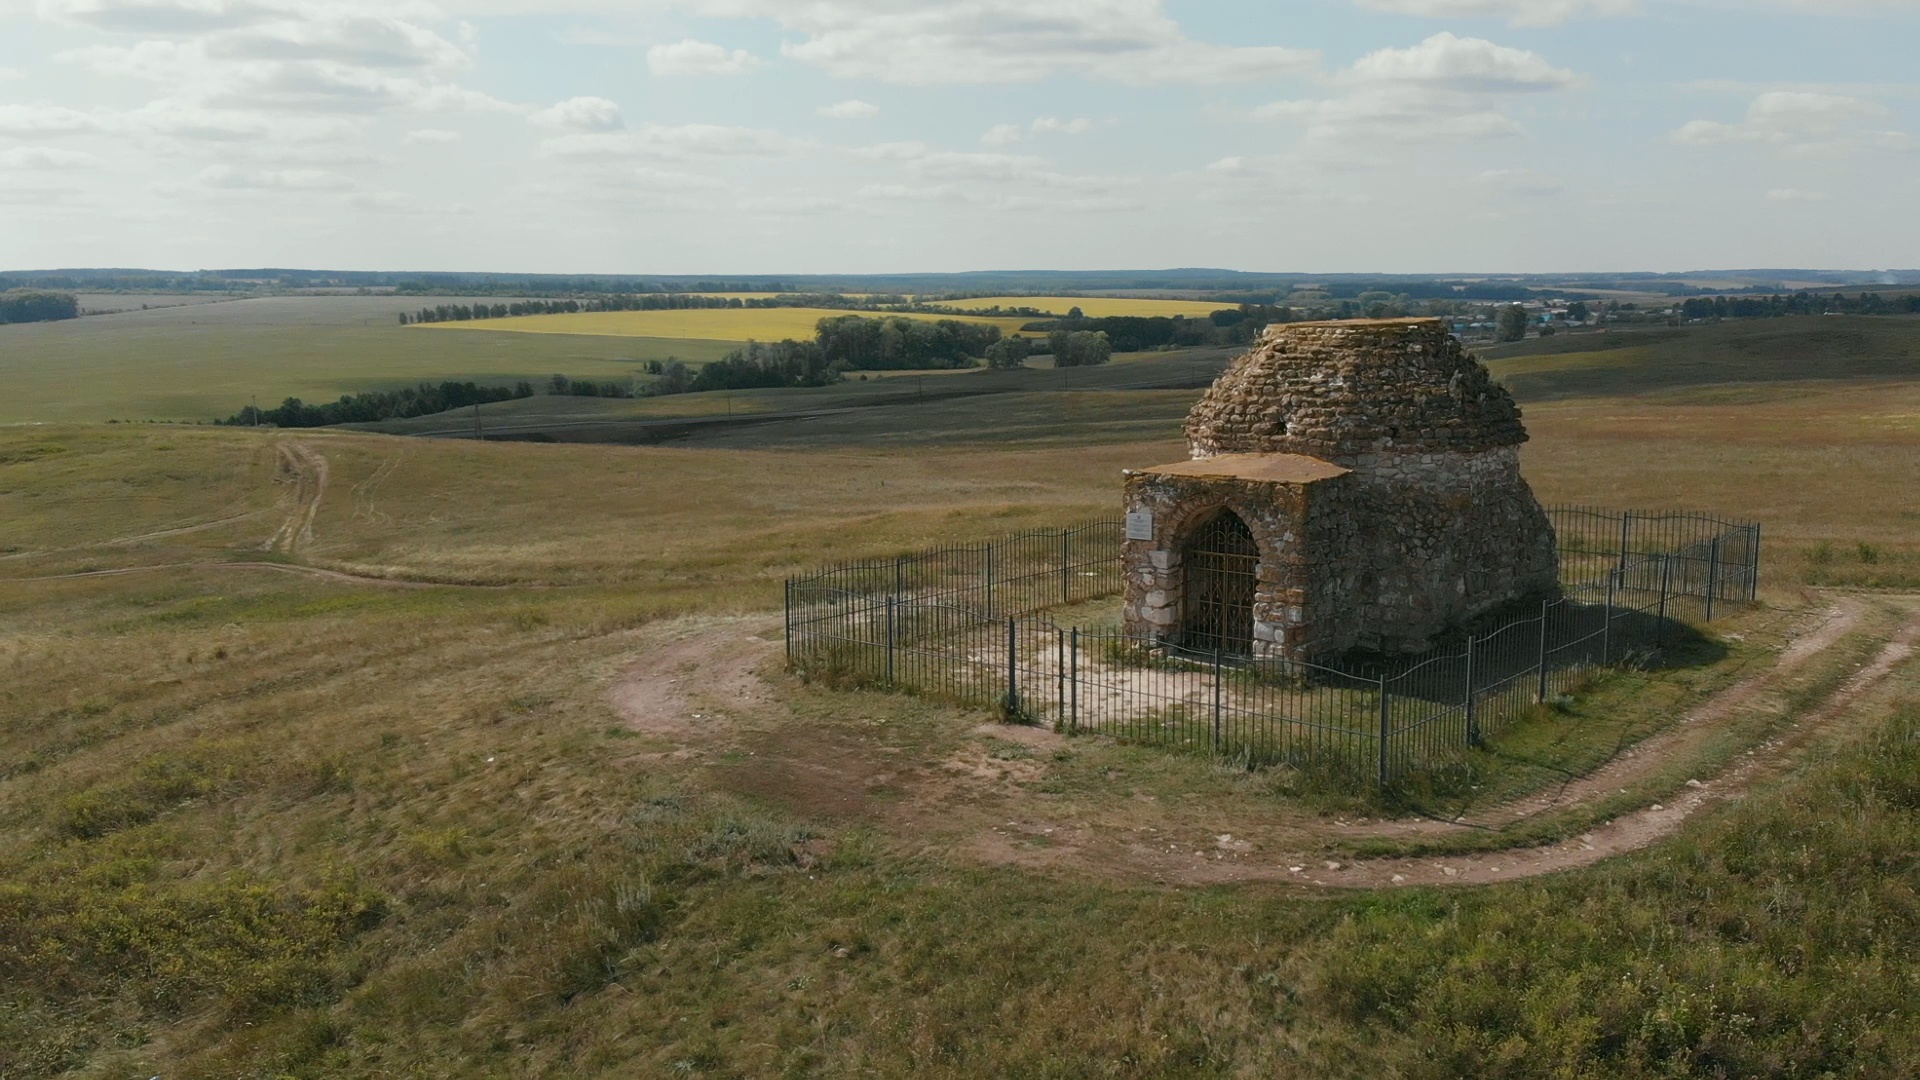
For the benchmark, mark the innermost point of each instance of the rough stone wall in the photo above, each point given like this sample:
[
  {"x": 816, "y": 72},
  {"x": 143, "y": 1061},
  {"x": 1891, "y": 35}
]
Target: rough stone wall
[
  {"x": 1408, "y": 547},
  {"x": 1340, "y": 390},
  {"x": 1432, "y": 526},
  {"x": 1277, "y": 515}
]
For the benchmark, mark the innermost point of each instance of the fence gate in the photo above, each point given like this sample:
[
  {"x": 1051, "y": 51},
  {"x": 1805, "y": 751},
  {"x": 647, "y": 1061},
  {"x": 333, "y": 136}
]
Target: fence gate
[{"x": 1217, "y": 605}]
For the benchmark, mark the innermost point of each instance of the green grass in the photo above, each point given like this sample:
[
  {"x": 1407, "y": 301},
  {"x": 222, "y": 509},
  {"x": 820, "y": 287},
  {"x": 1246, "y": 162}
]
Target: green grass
[
  {"x": 207, "y": 361},
  {"x": 1641, "y": 362},
  {"x": 409, "y": 840},
  {"x": 260, "y": 825},
  {"x": 731, "y": 325}
]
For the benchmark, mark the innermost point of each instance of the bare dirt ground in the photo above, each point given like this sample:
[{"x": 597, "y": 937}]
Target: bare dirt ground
[
  {"x": 304, "y": 472},
  {"x": 710, "y": 691},
  {"x": 294, "y": 569}
]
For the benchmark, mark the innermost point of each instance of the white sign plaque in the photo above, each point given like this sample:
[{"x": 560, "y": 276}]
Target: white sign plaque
[{"x": 1140, "y": 525}]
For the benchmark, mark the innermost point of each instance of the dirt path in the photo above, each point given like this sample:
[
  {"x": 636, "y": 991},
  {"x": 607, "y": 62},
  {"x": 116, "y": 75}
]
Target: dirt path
[
  {"x": 692, "y": 689},
  {"x": 306, "y": 470},
  {"x": 340, "y": 576},
  {"x": 1639, "y": 761}
]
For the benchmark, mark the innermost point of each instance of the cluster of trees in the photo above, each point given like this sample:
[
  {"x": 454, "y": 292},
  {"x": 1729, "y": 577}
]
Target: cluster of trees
[
  {"x": 1009, "y": 352},
  {"x": 1512, "y": 323},
  {"x": 562, "y": 386},
  {"x": 1135, "y": 333},
  {"x": 1079, "y": 348},
  {"x": 760, "y": 366},
  {"x": 854, "y": 343},
  {"x": 1800, "y": 303},
  {"x": 423, "y": 400},
  {"x": 469, "y": 312},
  {"x": 33, "y": 306}
]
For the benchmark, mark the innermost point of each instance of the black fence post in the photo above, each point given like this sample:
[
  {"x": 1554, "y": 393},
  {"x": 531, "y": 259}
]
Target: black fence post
[
  {"x": 1713, "y": 575},
  {"x": 1541, "y": 697},
  {"x": 1073, "y": 684},
  {"x": 1386, "y": 730},
  {"x": 1666, "y": 587},
  {"x": 1066, "y": 566},
  {"x": 1060, "y": 678},
  {"x": 789, "y": 621},
  {"x": 1216, "y": 700},
  {"x": 1606, "y": 630},
  {"x": 1473, "y": 717},
  {"x": 1626, "y": 532},
  {"x": 899, "y": 575},
  {"x": 1013, "y": 667},
  {"x": 1753, "y": 570},
  {"x": 989, "y": 609},
  {"x": 893, "y": 605}
]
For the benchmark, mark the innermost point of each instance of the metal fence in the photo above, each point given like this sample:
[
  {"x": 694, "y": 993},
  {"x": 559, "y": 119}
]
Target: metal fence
[{"x": 975, "y": 625}]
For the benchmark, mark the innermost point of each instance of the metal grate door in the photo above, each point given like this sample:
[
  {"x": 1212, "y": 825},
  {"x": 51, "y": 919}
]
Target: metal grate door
[{"x": 1217, "y": 611}]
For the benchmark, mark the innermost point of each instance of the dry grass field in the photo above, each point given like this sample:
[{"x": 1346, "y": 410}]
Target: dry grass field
[{"x": 343, "y": 754}]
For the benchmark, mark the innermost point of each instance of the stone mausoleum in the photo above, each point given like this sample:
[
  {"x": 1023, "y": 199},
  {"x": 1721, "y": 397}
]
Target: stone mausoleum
[{"x": 1354, "y": 485}]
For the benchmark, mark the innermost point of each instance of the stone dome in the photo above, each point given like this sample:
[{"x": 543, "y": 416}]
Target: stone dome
[{"x": 1337, "y": 390}]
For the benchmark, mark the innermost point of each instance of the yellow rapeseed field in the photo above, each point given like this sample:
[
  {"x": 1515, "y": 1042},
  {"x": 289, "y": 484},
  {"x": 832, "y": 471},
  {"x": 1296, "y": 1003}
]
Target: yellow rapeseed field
[
  {"x": 715, "y": 324},
  {"x": 1094, "y": 307}
]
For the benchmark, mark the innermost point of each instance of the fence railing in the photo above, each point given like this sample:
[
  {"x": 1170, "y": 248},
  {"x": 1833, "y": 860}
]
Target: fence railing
[{"x": 975, "y": 625}]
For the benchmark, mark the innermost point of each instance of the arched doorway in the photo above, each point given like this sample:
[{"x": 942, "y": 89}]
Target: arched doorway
[{"x": 1217, "y": 605}]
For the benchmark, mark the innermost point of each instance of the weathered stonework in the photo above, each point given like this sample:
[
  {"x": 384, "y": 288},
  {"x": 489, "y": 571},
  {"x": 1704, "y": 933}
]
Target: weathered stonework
[{"x": 1376, "y": 465}]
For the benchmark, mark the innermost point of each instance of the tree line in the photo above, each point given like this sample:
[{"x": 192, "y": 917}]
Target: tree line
[
  {"x": 422, "y": 400},
  {"x": 1143, "y": 333},
  {"x": 440, "y": 313},
  {"x": 27, "y": 306},
  {"x": 840, "y": 344},
  {"x": 1800, "y": 303}
]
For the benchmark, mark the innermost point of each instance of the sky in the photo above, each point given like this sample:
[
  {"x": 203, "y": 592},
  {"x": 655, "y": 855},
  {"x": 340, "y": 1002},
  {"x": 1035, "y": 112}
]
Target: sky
[{"x": 889, "y": 136}]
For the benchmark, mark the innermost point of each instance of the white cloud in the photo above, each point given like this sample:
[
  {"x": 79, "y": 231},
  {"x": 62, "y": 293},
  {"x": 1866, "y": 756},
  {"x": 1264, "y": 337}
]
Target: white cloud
[
  {"x": 1802, "y": 122},
  {"x": 994, "y": 200},
  {"x": 1008, "y": 134},
  {"x": 792, "y": 205},
  {"x": 1447, "y": 62},
  {"x": 1785, "y": 195},
  {"x": 160, "y": 16},
  {"x": 46, "y": 157},
  {"x": 230, "y": 178},
  {"x": 363, "y": 39},
  {"x": 279, "y": 55},
  {"x": 433, "y": 135},
  {"x": 893, "y": 151},
  {"x": 999, "y": 41},
  {"x": 676, "y": 141},
  {"x": 8, "y": 74},
  {"x": 670, "y": 180},
  {"x": 715, "y": 140},
  {"x": 1049, "y": 125},
  {"x": 691, "y": 57},
  {"x": 186, "y": 120},
  {"x": 1515, "y": 12},
  {"x": 1004, "y": 135},
  {"x": 1520, "y": 182},
  {"x": 581, "y": 114},
  {"x": 46, "y": 120},
  {"x": 1446, "y": 87},
  {"x": 589, "y": 144},
  {"x": 852, "y": 109}
]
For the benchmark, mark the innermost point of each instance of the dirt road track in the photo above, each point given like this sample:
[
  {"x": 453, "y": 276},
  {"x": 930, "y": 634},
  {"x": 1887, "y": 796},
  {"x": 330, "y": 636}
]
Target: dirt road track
[
  {"x": 280, "y": 568},
  {"x": 686, "y": 691},
  {"x": 305, "y": 470}
]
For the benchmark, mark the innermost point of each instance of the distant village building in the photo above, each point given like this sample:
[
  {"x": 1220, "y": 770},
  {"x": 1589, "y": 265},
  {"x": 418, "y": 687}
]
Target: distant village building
[{"x": 1353, "y": 485}]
